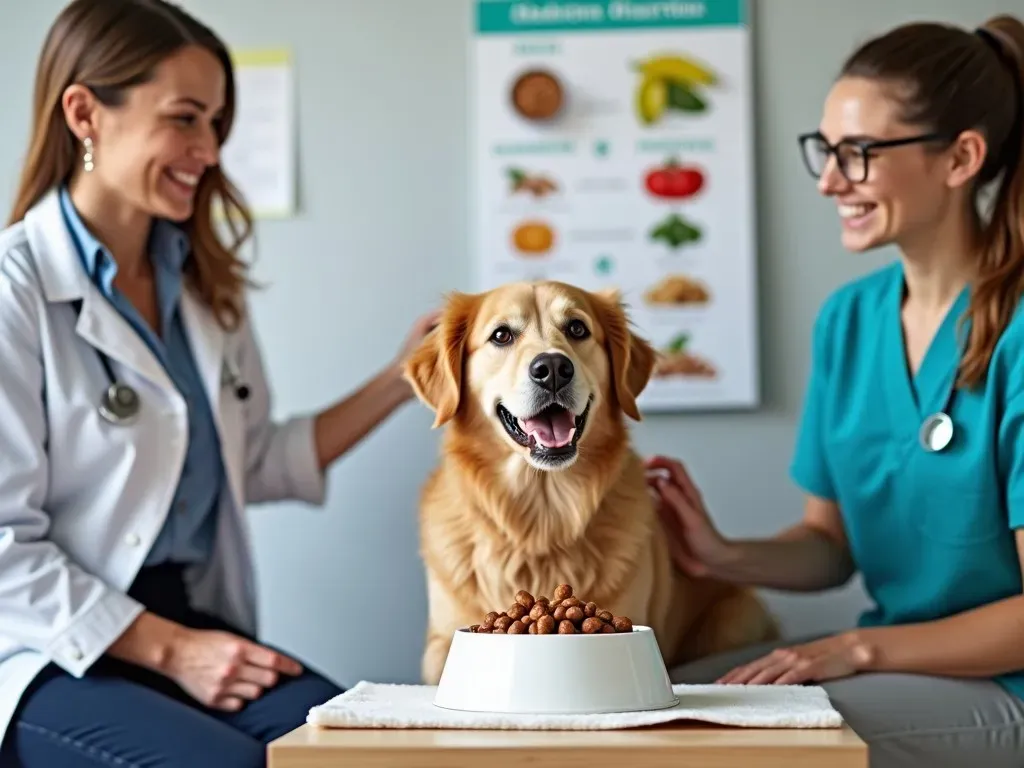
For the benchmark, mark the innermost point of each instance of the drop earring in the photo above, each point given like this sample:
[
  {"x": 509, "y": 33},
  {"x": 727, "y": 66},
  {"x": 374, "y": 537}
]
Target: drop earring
[{"x": 87, "y": 159}]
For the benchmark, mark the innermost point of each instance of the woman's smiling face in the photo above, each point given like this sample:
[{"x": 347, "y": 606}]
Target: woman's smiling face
[
  {"x": 152, "y": 149},
  {"x": 888, "y": 194}
]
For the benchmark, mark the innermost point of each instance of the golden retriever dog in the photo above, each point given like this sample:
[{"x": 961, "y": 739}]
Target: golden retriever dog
[{"x": 538, "y": 483}]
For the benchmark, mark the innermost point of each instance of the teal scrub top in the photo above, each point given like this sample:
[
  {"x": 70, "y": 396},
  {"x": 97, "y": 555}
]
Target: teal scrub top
[{"x": 932, "y": 534}]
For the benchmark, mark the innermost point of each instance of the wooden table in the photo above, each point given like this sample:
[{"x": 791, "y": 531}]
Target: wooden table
[{"x": 668, "y": 746}]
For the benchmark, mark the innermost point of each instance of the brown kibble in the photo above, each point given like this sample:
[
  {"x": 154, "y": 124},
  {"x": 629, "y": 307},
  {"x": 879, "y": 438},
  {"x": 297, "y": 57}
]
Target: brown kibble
[
  {"x": 524, "y": 599},
  {"x": 565, "y": 614},
  {"x": 622, "y": 624}
]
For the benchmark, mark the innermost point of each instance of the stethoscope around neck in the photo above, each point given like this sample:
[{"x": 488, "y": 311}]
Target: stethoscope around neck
[
  {"x": 120, "y": 403},
  {"x": 937, "y": 430}
]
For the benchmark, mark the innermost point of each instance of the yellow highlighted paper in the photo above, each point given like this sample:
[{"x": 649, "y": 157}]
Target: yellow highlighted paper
[{"x": 260, "y": 154}]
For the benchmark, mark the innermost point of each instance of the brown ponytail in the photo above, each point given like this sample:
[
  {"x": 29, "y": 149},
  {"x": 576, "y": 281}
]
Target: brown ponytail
[
  {"x": 951, "y": 80},
  {"x": 1001, "y": 275}
]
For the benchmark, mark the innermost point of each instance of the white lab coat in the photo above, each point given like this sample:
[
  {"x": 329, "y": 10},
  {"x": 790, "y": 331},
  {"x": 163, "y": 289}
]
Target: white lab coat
[{"x": 81, "y": 500}]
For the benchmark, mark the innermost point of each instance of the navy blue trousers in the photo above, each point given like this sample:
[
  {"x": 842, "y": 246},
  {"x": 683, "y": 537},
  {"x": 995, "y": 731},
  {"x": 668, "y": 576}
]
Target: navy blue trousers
[{"x": 125, "y": 716}]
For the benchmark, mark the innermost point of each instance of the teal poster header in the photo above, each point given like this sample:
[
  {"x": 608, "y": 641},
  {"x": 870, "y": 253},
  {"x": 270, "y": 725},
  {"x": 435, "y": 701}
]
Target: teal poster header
[{"x": 511, "y": 16}]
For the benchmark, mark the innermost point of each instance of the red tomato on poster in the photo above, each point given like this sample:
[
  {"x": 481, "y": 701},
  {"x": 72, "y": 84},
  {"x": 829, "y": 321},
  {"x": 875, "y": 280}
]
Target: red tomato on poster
[{"x": 674, "y": 180}]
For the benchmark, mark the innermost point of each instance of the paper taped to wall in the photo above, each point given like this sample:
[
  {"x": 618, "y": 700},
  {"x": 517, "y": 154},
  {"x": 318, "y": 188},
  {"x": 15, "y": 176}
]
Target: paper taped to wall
[{"x": 260, "y": 154}]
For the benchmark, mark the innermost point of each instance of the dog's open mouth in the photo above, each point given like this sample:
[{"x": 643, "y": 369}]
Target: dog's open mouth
[{"x": 554, "y": 431}]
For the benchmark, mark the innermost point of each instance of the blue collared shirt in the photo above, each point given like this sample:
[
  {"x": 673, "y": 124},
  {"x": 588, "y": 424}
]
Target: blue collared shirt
[{"x": 188, "y": 533}]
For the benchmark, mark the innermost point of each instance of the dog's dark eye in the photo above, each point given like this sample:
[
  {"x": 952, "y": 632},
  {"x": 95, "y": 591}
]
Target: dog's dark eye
[
  {"x": 501, "y": 336},
  {"x": 578, "y": 329}
]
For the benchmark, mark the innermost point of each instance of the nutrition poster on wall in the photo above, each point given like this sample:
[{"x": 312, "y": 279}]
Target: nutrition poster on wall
[{"x": 613, "y": 148}]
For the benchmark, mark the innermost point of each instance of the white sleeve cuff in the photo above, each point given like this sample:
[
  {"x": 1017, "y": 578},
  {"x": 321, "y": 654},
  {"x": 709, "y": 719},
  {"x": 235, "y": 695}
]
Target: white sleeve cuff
[
  {"x": 307, "y": 481},
  {"x": 79, "y": 646}
]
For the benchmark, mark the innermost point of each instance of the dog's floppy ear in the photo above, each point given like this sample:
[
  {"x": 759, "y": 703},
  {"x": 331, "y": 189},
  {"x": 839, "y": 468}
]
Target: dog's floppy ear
[
  {"x": 434, "y": 369},
  {"x": 632, "y": 357}
]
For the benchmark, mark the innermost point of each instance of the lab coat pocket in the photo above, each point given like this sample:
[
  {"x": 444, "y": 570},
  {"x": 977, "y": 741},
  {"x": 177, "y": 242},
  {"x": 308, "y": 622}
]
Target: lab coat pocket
[{"x": 961, "y": 515}]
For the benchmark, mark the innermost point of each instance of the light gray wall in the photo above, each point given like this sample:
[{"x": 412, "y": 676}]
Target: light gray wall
[{"x": 384, "y": 192}]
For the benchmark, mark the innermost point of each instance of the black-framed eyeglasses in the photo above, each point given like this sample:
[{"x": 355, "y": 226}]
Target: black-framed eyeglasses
[{"x": 851, "y": 154}]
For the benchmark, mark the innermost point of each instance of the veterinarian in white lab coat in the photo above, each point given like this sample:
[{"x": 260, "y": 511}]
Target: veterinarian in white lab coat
[{"x": 127, "y": 621}]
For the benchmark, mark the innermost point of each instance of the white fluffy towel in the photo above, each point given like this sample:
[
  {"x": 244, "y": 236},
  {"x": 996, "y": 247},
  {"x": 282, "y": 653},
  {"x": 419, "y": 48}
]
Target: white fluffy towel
[{"x": 380, "y": 705}]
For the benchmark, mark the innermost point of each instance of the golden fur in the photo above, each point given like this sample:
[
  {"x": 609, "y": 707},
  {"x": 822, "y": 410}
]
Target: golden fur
[{"x": 495, "y": 520}]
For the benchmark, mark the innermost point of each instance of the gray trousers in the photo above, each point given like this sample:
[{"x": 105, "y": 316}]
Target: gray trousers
[{"x": 909, "y": 720}]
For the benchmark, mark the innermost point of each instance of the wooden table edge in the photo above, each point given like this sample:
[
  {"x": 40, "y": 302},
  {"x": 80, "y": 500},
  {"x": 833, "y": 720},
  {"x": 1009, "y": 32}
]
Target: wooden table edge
[{"x": 298, "y": 749}]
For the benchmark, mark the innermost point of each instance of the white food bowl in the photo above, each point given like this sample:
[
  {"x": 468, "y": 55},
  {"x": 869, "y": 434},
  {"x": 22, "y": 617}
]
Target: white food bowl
[{"x": 555, "y": 674}]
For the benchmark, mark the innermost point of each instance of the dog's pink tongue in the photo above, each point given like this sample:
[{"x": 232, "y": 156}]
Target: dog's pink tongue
[{"x": 552, "y": 430}]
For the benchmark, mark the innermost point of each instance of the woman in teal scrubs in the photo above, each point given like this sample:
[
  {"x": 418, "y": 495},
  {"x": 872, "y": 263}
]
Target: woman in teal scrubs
[{"x": 911, "y": 443}]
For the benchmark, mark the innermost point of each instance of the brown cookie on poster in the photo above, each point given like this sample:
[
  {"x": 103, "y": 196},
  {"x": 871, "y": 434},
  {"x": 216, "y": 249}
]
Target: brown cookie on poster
[{"x": 537, "y": 95}]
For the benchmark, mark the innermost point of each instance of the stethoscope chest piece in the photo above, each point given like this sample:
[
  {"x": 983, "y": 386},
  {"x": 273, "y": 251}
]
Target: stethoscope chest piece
[
  {"x": 936, "y": 432},
  {"x": 120, "y": 404}
]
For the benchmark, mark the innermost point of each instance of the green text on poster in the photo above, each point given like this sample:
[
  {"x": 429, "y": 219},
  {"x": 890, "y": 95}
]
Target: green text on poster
[{"x": 510, "y": 16}]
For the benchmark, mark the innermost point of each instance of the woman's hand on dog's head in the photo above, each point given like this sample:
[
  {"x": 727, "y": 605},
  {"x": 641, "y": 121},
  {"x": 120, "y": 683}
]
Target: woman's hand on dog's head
[{"x": 420, "y": 329}]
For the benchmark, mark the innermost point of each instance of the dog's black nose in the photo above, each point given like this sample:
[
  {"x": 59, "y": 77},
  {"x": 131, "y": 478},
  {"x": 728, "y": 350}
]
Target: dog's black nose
[{"x": 552, "y": 370}]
